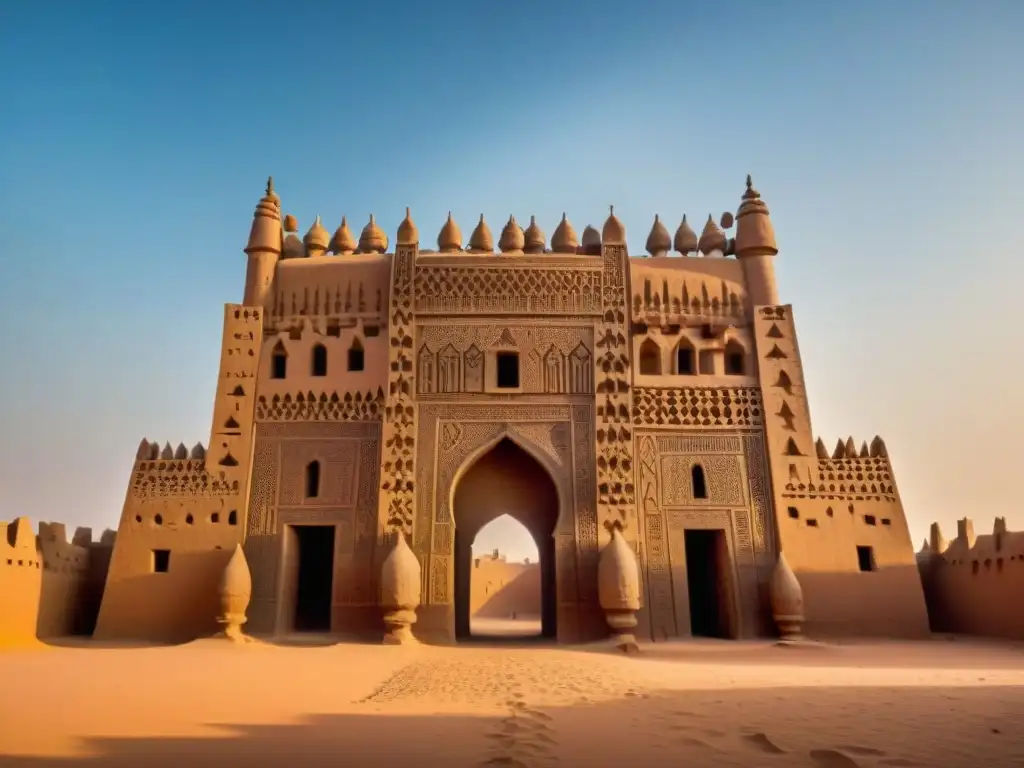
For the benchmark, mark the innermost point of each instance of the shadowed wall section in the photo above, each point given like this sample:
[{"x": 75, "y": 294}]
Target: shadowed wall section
[
  {"x": 50, "y": 587},
  {"x": 973, "y": 583}
]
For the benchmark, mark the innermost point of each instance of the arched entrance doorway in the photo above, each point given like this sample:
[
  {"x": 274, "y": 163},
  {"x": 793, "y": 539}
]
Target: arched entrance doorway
[{"x": 506, "y": 480}]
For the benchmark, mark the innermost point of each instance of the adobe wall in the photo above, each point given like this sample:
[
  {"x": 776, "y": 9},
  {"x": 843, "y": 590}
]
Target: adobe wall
[
  {"x": 973, "y": 584},
  {"x": 827, "y": 507},
  {"x": 49, "y": 587},
  {"x": 500, "y": 589},
  {"x": 20, "y": 583},
  {"x": 190, "y": 505},
  {"x": 330, "y": 415}
]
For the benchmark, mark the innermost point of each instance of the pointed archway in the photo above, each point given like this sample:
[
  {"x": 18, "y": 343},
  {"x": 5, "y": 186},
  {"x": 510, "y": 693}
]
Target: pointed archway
[{"x": 506, "y": 480}]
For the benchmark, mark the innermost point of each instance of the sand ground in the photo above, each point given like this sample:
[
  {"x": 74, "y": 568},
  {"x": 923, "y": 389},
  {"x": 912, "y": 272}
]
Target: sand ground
[{"x": 939, "y": 703}]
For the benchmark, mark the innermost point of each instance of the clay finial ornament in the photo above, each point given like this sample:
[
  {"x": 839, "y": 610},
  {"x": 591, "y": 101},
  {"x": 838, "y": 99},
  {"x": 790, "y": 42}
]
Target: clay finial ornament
[
  {"x": 618, "y": 590},
  {"x": 659, "y": 242},
  {"x": 787, "y": 601},
  {"x": 449, "y": 239},
  {"x": 400, "y": 591},
  {"x": 407, "y": 232},
  {"x": 481, "y": 239},
  {"x": 234, "y": 593},
  {"x": 563, "y": 239}
]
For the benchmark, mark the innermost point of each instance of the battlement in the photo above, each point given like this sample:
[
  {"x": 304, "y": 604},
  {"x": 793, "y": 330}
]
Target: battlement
[
  {"x": 969, "y": 547},
  {"x": 50, "y": 548},
  {"x": 175, "y": 472}
]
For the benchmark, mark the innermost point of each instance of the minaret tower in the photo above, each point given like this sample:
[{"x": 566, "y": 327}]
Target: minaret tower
[
  {"x": 756, "y": 248},
  {"x": 264, "y": 249}
]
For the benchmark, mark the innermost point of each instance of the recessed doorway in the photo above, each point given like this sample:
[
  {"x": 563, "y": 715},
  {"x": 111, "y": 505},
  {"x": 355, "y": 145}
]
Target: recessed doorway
[
  {"x": 707, "y": 558},
  {"x": 506, "y": 480},
  {"x": 314, "y": 554}
]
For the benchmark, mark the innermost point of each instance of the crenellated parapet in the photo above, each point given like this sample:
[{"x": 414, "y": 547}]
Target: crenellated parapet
[
  {"x": 973, "y": 581},
  {"x": 49, "y": 586},
  {"x": 849, "y": 472},
  {"x": 980, "y": 551}
]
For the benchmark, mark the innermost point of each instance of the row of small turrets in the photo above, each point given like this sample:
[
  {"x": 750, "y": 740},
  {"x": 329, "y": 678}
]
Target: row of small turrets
[
  {"x": 754, "y": 234},
  {"x": 848, "y": 449}
]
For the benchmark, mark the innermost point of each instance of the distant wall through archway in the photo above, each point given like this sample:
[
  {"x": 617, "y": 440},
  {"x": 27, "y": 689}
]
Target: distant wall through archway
[{"x": 505, "y": 480}]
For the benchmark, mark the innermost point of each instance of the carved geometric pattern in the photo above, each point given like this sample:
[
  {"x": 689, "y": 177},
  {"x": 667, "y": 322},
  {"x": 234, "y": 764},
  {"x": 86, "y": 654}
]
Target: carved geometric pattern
[
  {"x": 358, "y": 406},
  {"x": 662, "y": 305},
  {"x": 452, "y": 290},
  {"x": 723, "y": 475},
  {"x": 865, "y": 479},
  {"x": 697, "y": 407},
  {"x": 760, "y": 493},
  {"x": 613, "y": 432},
  {"x": 187, "y": 477},
  {"x": 449, "y": 435},
  {"x": 399, "y": 449},
  {"x": 334, "y": 303},
  {"x": 450, "y": 361}
]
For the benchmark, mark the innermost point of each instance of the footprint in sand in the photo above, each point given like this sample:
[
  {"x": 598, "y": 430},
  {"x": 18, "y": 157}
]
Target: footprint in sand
[
  {"x": 833, "y": 758},
  {"x": 760, "y": 741}
]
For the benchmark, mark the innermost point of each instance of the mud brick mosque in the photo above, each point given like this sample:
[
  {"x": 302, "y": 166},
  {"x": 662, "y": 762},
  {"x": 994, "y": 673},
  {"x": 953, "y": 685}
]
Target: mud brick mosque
[{"x": 365, "y": 390}]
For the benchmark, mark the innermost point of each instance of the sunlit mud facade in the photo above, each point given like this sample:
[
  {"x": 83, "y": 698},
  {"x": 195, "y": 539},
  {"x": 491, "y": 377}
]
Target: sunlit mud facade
[{"x": 563, "y": 382}]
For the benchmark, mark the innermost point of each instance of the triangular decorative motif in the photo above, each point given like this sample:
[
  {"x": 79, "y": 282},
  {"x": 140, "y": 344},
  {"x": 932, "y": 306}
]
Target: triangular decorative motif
[
  {"x": 774, "y": 332},
  {"x": 775, "y": 353},
  {"x": 505, "y": 340}
]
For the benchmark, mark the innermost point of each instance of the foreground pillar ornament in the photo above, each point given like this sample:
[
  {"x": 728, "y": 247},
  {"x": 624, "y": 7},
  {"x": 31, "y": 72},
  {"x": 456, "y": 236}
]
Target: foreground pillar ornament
[
  {"x": 234, "y": 592},
  {"x": 400, "y": 591},
  {"x": 787, "y": 600},
  {"x": 618, "y": 590}
]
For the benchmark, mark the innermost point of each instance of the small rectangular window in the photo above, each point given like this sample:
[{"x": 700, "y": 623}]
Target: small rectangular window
[
  {"x": 734, "y": 364},
  {"x": 356, "y": 359},
  {"x": 684, "y": 362},
  {"x": 161, "y": 560},
  {"x": 508, "y": 370},
  {"x": 866, "y": 558}
]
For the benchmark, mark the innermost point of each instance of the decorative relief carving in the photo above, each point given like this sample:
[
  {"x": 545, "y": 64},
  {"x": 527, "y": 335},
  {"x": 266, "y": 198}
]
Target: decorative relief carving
[
  {"x": 534, "y": 290},
  {"x": 337, "y": 477},
  {"x": 309, "y": 406},
  {"x": 263, "y": 498},
  {"x": 334, "y": 301},
  {"x": 723, "y": 477},
  {"x": 665, "y": 306},
  {"x": 698, "y": 407},
  {"x": 557, "y": 359},
  {"x": 449, "y": 435},
  {"x": 613, "y": 431},
  {"x": 160, "y": 479},
  {"x": 700, "y": 444},
  {"x": 760, "y": 492},
  {"x": 658, "y": 577},
  {"x": 399, "y": 446}
]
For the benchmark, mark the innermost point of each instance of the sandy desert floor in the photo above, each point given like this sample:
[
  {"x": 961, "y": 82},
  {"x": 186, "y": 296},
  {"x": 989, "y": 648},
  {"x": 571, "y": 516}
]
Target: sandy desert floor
[{"x": 940, "y": 703}]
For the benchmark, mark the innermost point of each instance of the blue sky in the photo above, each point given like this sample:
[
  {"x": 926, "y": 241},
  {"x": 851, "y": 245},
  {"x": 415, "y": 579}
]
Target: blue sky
[{"x": 885, "y": 137}]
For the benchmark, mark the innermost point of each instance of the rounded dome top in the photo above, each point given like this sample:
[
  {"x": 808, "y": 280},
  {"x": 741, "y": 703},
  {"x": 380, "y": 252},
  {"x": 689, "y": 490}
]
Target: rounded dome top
[
  {"x": 614, "y": 231},
  {"x": 564, "y": 240},
  {"x": 481, "y": 239},
  {"x": 372, "y": 239},
  {"x": 754, "y": 231},
  {"x": 591, "y": 241},
  {"x": 291, "y": 224},
  {"x": 712, "y": 238},
  {"x": 407, "y": 232},
  {"x": 343, "y": 242},
  {"x": 659, "y": 241},
  {"x": 534, "y": 238},
  {"x": 512, "y": 237},
  {"x": 450, "y": 237},
  {"x": 685, "y": 241},
  {"x": 317, "y": 238}
]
